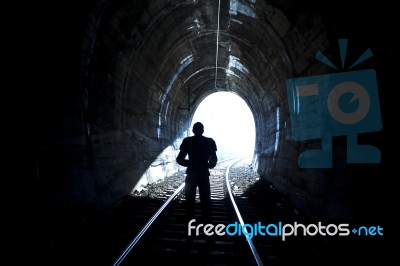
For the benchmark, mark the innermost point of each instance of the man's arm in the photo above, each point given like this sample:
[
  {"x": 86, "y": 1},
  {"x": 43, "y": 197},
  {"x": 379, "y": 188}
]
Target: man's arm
[
  {"x": 212, "y": 161},
  {"x": 180, "y": 159}
]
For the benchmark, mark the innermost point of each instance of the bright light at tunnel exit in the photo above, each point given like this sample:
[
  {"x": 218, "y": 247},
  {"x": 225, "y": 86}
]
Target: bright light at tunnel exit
[{"x": 229, "y": 121}]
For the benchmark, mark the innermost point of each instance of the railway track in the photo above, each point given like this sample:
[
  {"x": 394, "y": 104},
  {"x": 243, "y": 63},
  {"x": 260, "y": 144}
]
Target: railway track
[{"x": 164, "y": 237}]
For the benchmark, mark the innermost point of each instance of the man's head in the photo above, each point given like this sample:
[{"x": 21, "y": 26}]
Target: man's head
[{"x": 198, "y": 129}]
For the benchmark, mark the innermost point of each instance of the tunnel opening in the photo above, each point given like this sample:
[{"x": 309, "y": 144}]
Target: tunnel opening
[{"x": 229, "y": 121}]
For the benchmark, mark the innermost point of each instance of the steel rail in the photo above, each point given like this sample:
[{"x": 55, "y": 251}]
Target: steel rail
[{"x": 251, "y": 245}]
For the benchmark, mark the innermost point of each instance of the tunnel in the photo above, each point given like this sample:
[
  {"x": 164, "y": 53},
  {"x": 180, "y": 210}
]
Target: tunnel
[{"x": 118, "y": 82}]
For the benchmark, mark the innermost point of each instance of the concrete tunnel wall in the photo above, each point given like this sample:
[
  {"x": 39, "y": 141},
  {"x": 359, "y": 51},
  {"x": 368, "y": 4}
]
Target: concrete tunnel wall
[{"x": 117, "y": 112}]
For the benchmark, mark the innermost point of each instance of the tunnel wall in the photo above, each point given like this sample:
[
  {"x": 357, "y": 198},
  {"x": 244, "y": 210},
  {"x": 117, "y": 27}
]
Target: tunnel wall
[
  {"x": 343, "y": 192},
  {"x": 278, "y": 152}
]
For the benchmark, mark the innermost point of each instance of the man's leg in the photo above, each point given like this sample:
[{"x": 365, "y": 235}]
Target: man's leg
[
  {"x": 190, "y": 196},
  {"x": 205, "y": 199}
]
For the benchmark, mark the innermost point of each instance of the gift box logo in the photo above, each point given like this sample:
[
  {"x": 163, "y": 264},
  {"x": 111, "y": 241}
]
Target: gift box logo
[{"x": 324, "y": 106}]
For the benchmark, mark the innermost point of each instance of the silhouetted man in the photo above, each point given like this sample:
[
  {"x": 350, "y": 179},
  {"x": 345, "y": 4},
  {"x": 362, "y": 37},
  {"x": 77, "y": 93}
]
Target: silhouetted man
[{"x": 202, "y": 156}]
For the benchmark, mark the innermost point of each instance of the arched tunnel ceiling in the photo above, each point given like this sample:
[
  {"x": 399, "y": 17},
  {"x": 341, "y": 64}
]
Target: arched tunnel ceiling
[{"x": 173, "y": 47}]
